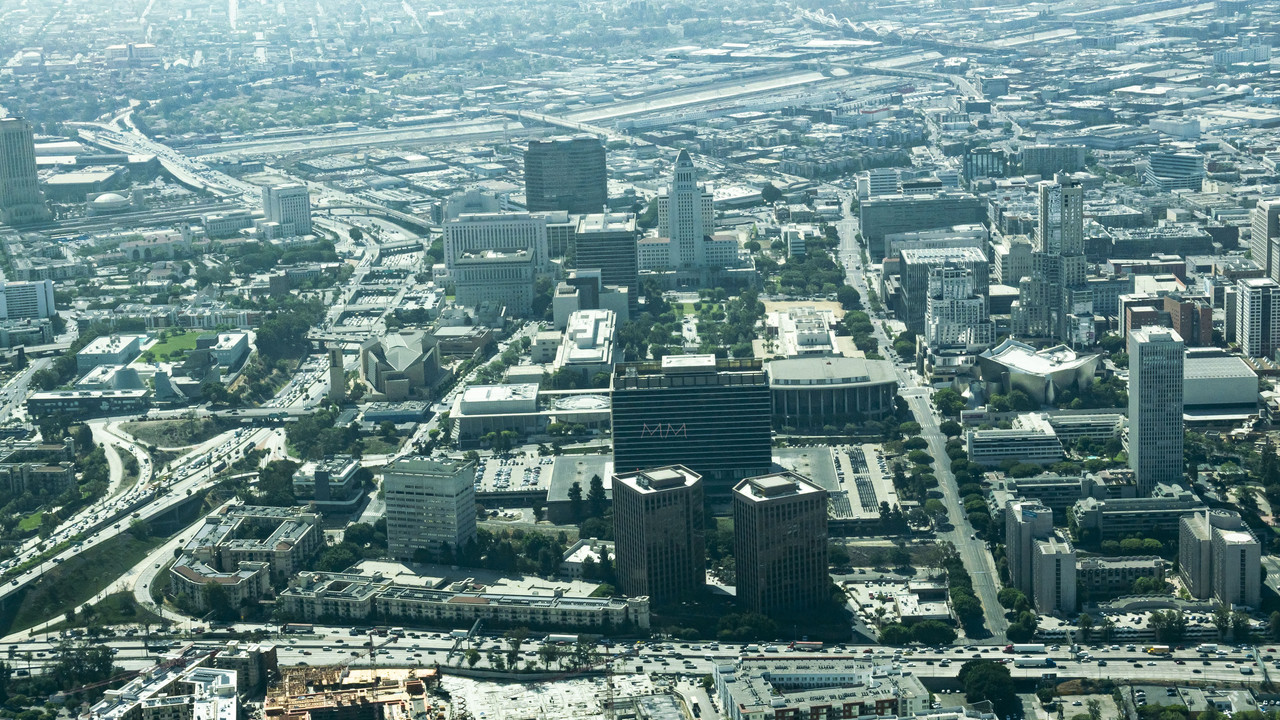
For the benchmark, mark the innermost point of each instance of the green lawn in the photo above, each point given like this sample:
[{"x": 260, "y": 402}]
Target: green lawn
[
  {"x": 115, "y": 609},
  {"x": 79, "y": 578},
  {"x": 31, "y": 522},
  {"x": 178, "y": 343}
]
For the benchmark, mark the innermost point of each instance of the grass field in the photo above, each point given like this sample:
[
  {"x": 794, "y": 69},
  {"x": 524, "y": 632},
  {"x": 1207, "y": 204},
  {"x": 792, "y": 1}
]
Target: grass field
[
  {"x": 31, "y": 522},
  {"x": 79, "y": 578},
  {"x": 178, "y": 343},
  {"x": 177, "y": 433},
  {"x": 378, "y": 445},
  {"x": 115, "y": 609}
]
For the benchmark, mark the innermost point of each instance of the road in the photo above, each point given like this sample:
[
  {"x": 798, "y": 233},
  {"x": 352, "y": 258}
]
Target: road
[{"x": 977, "y": 561}]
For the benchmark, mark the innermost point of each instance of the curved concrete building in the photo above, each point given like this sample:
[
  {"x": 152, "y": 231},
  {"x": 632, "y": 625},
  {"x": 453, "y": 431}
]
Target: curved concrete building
[{"x": 1040, "y": 374}]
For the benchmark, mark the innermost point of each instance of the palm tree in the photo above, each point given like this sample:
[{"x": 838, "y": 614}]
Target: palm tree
[{"x": 1108, "y": 626}]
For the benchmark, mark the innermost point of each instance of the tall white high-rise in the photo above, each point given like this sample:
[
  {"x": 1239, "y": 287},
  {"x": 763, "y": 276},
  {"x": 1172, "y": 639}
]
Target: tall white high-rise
[
  {"x": 1060, "y": 230},
  {"x": 1258, "y": 316},
  {"x": 430, "y": 504},
  {"x": 685, "y": 215},
  {"x": 20, "y": 199},
  {"x": 288, "y": 205},
  {"x": 1054, "y": 302},
  {"x": 1155, "y": 407}
]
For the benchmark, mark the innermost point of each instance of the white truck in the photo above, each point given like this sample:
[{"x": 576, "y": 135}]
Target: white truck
[
  {"x": 1033, "y": 662},
  {"x": 1206, "y": 648}
]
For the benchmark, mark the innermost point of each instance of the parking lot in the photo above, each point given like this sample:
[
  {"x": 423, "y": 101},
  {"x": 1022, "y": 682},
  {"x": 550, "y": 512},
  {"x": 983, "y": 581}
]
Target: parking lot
[{"x": 513, "y": 474}]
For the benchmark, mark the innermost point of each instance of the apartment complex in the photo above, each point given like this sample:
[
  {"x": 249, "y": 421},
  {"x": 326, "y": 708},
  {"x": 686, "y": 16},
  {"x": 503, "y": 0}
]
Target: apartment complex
[{"x": 1219, "y": 557}]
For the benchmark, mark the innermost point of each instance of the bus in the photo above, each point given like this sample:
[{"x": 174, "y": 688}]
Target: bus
[
  {"x": 1158, "y": 650},
  {"x": 697, "y": 712}
]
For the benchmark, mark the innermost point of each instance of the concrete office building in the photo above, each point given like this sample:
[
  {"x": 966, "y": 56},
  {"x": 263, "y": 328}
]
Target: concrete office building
[
  {"x": 780, "y": 543},
  {"x": 1116, "y": 575},
  {"x": 20, "y": 200},
  {"x": 918, "y": 264},
  {"x": 1031, "y": 440},
  {"x": 888, "y": 214},
  {"x": 1053, "y": 575},
  {"x": 476, "y": 223},
  {"x": 1219, "y": 557},
  {"x": 1167, "y": 171},
  {"x": 686, "y": 215},
  {"x": 26, "y": 300},
  {"x": 1155, "y": 407},
  {"x": 955, "y": 314},
  {"x": 588, "y": 344},
  {"x": 1237, "y": 563},
  {"x": 289, "y": 206},
  {"x": 565, "y": 173},
  {"x": 430, "y": 504},
  {"x": 658, "y": 535},
  {"x": 1258, "y": 316},
  {"x": 1116, "y": 518},
  {"x": 607, "y": 242},
  {"x": 1025, "y": 521},
  {"x": 711, "y": 416},
  {"x": 1264, "y": 237},
  {"x": 806, "y": 687}
]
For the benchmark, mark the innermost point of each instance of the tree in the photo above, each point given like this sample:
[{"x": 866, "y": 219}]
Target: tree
[
  {"x": 770, "y": 193},
  {"x": 1222, "y": 621},
  {"x": 575, "y": 502},
  {"x": 218, "y": 603},
  {"x": 932, "y": 632},
  {"x": 895, "y": 634},
  {"x": 950, "y": 428},
  {"x": 989, "y": 680},
  {"x": 1086, "y": 626},
  {"x": 1095, "y": 709},
  {"x": 1009, "y": 597},
  {"x": 473, "y": 657},
  {"x": 597, "y": 501},
  {"x": 948, "y": 402},
  {"x": 848, "y": 298},
  {"x": 356, "y": 234}
]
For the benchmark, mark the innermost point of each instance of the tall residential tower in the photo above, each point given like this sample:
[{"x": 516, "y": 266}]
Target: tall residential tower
[{"x": 1155, "y": 407}]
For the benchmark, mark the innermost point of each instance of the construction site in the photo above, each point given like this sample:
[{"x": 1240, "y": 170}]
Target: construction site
[{"x": 356, "y": 694}]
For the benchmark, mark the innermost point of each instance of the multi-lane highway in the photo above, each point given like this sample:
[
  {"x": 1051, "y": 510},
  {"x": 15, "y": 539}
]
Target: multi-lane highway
[{"x": 334, "y": 646}]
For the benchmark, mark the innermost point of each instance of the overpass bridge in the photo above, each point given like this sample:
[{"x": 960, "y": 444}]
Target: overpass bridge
[{"x": 404, "y": 219}]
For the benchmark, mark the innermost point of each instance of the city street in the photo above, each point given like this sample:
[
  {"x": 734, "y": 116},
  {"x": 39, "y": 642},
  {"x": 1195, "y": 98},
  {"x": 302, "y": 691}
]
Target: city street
[{"x": 972, "y": 550}]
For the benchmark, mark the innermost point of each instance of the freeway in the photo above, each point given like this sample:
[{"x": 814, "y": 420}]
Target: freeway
[
  {"x": 145, "y": 501},
  {"x": 333, "y": 646},
  {"x": 977, "y": 561}
]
